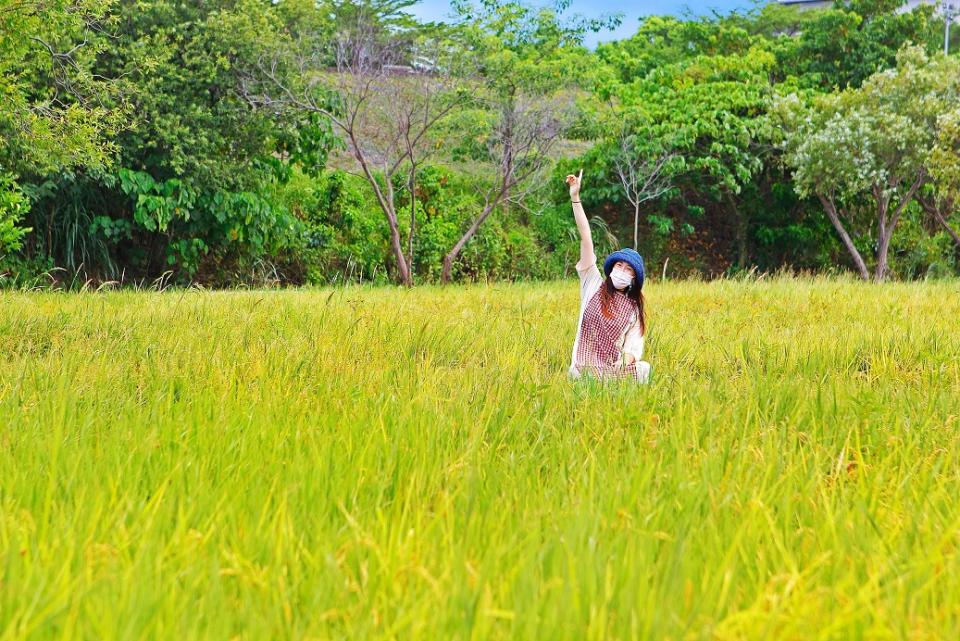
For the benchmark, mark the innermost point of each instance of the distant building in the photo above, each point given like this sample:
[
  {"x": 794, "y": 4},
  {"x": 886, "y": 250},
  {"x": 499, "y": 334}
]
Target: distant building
[
  {"x": 808, "y": 4},
  {"x": 826, "y": 4}
]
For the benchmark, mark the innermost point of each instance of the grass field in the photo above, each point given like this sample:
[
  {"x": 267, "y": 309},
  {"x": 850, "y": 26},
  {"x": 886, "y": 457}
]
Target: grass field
[{"x": 388, "y": 464}]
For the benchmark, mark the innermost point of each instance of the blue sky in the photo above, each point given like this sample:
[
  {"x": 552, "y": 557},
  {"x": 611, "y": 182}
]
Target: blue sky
[{"x": 632, "y": 10}]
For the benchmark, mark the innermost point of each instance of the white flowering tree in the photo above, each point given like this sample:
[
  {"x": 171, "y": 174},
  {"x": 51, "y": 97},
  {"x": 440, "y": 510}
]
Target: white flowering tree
[
  {"x": 943, "y": 199},
  {"x": 865, "y": 153}
]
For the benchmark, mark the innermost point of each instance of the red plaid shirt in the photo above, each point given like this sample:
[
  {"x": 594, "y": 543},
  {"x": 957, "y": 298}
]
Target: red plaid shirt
[{"x": 598, "y": 348}]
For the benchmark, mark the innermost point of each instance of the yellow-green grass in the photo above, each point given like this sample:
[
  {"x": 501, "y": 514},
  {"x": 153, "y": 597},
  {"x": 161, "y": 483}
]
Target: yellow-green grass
[{"x": 388, "y": 464}]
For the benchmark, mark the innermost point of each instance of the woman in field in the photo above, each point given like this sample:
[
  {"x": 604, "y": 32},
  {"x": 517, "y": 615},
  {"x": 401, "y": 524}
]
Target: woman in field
[{"x": 609, "y": 342}]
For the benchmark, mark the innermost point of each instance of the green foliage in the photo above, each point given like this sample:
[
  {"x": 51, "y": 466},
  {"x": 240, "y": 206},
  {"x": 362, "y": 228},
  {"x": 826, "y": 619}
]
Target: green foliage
[
  {"x": 56, "y": 111},
  {"x": 305, "y": 144},
  {"x": 709, "y": 111},
  {"x": 347, "y": 235},
  {"x": 136, "y": 150},
  {"x": 63, "y": 212},
  {"x": 113, "y": 230},
  {"x": 157, "y": 204},
  {"x": 195, "y": 222},
  {"x": 527, "y": 65},
  {"x": 196, "y": 159},
  {"x": 944, "y": 158},
  {"x": 865, "y": 152},
  {"x": 21, "y": 272},
  {"x": 705, "y": 111},
  {"x": 13, "y": 205},
  {"x": 788, "y": 231},
  {"x": 663, "y": 41},
  {"x": 182, "y": 61},
  {"x": 842, "y": 47},
  {"x": 703, "y": 87},
  {"x": 918, "y": 253}
]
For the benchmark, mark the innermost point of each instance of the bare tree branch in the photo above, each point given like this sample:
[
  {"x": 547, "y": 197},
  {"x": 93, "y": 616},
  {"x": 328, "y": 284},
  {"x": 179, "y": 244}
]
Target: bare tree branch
[
  {"x": 519, "y": 148},
  {"x": 383, "y": 111},
  {"x": 643, "y": 177}
]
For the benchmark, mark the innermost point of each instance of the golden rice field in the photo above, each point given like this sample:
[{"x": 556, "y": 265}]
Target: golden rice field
[{"x": 376, "y": 463}]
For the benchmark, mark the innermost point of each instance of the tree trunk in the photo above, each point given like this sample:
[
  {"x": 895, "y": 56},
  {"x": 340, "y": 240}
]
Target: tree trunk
[
  {"x": 386, "y": 203},
  {"x": 943, "y": 222},
  {"x": 886, "y": 227},
  {"x": 883, "y": 248},
  {"x": 844, "y": 236},
  {"x": 743, "y": 253},
  {"x": 447, "y": 272},
  {"x": 636, "y": 223},
  {"x": 884, "y": 233},
  {"x": 743, "y": 256},
  {"x": 397, "y": 245},
  {"x": 413, "y": 218}
]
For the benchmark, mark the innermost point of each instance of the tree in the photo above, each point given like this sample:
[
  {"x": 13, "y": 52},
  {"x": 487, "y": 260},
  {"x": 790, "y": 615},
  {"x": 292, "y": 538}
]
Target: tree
[
  {"x": 52, "y": 103},
  {"x": 842, "y": 46},
  {"x": 943, "y": 197},
  {"x": 707, "y": 111},
  {"x": 662, "y": 41},
  {"x": 645, "y": 171},
  {"x": 528, "y": 62},
  {"x": 518, "y": 145},
  {"x": 382, "y": 106},
  {"x": 865, "y": 151},
  {"x": 56, "y": 115},
  {"x": 709, "y": 83},
  {"x": 157, "y": 81}
]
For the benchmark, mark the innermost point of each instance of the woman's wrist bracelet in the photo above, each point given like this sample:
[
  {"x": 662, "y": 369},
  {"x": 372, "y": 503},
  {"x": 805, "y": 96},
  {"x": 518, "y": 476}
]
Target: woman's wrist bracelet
[{"x": 575, "y": 201}]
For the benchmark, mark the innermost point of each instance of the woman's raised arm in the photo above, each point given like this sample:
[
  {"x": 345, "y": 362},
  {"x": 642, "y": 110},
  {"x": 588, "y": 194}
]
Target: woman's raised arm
[{"x": 587, "y": 255}]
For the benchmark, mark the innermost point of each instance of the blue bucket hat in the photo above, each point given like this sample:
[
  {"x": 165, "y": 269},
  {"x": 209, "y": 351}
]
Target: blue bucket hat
[{"x": 628, "y": 256}]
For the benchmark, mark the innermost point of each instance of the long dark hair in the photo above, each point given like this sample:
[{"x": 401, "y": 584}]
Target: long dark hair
[{"x": 608, "y": 291}]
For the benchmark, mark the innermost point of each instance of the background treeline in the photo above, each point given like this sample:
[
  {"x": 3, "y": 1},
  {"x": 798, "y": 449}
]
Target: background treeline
[{"x": 254, "y": 142}]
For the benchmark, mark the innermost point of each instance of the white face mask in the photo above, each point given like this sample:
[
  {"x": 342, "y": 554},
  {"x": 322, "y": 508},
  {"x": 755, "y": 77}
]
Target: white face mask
[{"x": 620, "y": 279}]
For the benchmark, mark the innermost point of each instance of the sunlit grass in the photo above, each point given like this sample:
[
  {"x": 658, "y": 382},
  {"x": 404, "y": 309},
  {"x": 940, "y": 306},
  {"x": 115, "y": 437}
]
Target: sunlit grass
[{"x": 381, "y": 463}]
